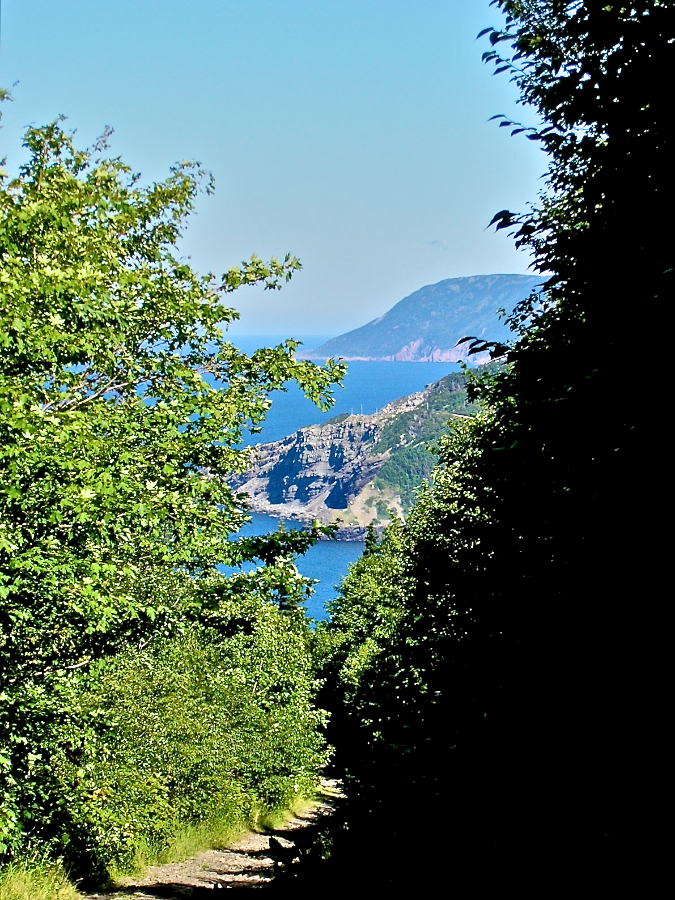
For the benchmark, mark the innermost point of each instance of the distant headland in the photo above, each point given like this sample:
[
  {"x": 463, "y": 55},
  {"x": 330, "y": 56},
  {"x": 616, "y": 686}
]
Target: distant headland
[{"x": 426, "y": 325}]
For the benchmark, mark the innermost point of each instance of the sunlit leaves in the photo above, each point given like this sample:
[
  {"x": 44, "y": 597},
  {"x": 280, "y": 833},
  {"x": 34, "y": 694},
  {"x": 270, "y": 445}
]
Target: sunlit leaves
[{"x": 122, "y": 410}]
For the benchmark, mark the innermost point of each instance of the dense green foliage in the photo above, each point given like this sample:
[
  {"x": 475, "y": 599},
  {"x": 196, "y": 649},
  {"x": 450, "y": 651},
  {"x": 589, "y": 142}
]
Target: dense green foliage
[
  {"x": 130, "y": 670},
  {"x": 213, "y": 727},
  {"x": 483, "y": 663}
]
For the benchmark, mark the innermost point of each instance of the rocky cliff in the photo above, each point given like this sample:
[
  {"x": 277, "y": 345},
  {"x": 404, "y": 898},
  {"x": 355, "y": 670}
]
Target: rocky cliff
[{"x": 332, "y": 472}]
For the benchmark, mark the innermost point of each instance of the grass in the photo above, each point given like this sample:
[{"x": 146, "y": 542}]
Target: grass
[
  {"x": 275, "y": 820},
  {"x": 35, "y": 881},
  {"x": 40, "y": 880},
  {"x": 188, "y": 840}
]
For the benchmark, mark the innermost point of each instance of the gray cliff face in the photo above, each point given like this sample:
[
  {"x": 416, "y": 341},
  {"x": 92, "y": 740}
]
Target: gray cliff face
[
  {"x": 320, "y": 466},
  {"x": 320, "y": 472}
]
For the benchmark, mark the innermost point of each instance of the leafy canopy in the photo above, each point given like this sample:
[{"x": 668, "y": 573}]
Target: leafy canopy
[
  {"x": 122, "y": 405},
  {"x": 122, "y": 409}
]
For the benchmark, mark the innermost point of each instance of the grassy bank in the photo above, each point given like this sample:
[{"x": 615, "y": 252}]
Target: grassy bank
[
  {"x": 35, "y": 880},
  {"x": 44, "y": 880}
]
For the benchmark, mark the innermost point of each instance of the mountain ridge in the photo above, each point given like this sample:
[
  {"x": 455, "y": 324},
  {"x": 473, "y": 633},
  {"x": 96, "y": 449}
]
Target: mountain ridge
[{"x": 426, "y": 325}]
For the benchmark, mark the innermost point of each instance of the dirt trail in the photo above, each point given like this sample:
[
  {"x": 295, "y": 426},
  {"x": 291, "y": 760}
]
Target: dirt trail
[{"x": 248, "y": 863}]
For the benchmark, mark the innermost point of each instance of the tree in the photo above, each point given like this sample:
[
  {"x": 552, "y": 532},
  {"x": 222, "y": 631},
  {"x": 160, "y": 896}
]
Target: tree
[
  {"x": 123, "y": 404},
  {"x": 122, "y": 407},
  {"x": 514, "y": 698}
]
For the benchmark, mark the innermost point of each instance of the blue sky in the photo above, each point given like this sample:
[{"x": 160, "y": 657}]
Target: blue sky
[{"x": 354, "y": 135}]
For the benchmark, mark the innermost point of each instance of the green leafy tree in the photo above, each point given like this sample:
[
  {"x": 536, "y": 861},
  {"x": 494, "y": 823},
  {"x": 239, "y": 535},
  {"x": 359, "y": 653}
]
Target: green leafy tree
[{"x": 122, "y": 408}]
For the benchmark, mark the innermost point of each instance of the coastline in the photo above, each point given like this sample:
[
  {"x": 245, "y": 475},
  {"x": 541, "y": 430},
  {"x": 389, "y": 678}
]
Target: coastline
[{"x": 344, "y": 531}]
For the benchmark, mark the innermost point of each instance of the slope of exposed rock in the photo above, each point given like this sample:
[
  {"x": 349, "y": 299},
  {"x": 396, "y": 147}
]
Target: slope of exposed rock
[{"x": 330, "y": 472}]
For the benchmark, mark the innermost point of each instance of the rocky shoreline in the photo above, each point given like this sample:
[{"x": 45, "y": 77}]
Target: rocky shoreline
[
  {"x": 325, "y": 473},
  {"x": 343, "y": 531}
]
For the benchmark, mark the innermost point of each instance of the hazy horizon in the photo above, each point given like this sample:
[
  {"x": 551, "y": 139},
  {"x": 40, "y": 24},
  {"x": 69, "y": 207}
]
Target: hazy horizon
[{"x": 354, "y": 135}]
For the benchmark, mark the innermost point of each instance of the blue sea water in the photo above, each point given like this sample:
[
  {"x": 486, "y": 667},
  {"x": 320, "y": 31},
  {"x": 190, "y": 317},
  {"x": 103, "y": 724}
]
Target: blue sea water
[
  {"x": 368, "y": 386},
  {"x": 326, "y": 561}
]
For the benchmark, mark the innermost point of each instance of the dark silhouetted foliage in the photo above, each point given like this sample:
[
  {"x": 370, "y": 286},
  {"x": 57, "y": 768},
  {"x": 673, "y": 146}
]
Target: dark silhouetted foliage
[{"x": 511, "y": 698}]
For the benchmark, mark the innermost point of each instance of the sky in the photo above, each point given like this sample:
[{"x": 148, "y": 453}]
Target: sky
[{"x": 354, "y": 134}]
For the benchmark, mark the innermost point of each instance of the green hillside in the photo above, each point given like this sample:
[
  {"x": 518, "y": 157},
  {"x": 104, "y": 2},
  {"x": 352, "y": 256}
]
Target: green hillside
[
  {"x": 428, "y": 323},
  {"x": 409, "y": 436},
  {"x": 354, "y": 469}
]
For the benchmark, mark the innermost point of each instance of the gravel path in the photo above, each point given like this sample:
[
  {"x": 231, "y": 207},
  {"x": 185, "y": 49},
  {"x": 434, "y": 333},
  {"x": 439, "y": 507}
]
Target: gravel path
[{"x": 248, "y": 863}]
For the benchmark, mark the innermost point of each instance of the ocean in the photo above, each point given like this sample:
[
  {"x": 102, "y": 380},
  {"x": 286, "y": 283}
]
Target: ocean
[{"x": 368, "y": 386}]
